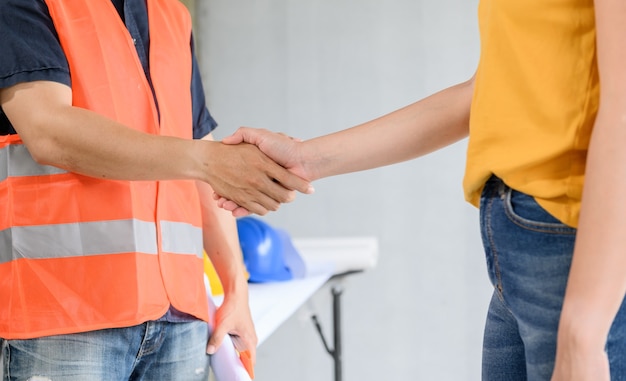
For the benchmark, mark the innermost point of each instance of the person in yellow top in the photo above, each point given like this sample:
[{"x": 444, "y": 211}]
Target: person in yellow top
[{"x": 545, "y": 113}]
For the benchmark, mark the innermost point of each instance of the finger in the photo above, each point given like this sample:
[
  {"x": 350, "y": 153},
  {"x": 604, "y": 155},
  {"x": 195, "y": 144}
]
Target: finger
[
  {"x": 262, "y": 203},
  {"x": 245, "y": 135},
  {"x": 243, "y": 345},
  {"x": 279, "y": 193},
  {"x": 230, "y": 205},
  {"x": 292, "y": 182},
  {"x": 255, "y": 200},
  {"x": 265, "y": 196},
  {"x": 233, "y": 207},
  {"x": 235, "y": 138},
  {"x": 215, "y": 341},
  {"x": 227, "y": 204},
  {"x": 240, "y": 212}
]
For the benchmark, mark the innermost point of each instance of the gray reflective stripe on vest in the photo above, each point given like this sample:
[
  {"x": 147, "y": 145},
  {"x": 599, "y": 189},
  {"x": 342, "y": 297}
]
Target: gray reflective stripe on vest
[
  {"x": 6, "y": 249},
  {"x": 79, "y": 239},
  {"x": 98, "y": 238},
  {"x": 16, "y": 161},
  {"x": 181, "y": 238}
]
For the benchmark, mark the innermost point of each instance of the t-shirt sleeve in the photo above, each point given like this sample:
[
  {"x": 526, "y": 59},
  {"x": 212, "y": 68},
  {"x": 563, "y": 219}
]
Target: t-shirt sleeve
[
  {"x": 203, "y": 122},
  {"x": 30, "y": 51},
  {"x": 30, "y": 46}
]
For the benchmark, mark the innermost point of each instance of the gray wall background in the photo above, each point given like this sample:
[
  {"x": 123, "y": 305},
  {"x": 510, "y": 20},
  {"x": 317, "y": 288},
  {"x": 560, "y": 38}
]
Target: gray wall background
[{"x": 308, "y": 68}]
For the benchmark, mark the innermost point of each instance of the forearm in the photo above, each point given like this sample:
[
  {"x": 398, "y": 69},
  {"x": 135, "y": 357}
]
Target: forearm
[
  {"x": 221, "y": 243},
  {"x": 84, "y": 142},
  {"x": 597, "y": 281},
  {"x": 59, "y": 134},
  {"x": 410, "y": 132}
]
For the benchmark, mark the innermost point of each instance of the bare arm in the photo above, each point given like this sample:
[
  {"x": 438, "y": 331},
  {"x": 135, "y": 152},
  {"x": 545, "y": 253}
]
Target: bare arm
[
  {"x": 597, "y": 281},
  {"x": 221, "y": 243},
  {"x": 415, "y": 130},
  {"x": 410, "y": 132},
  {"x": 81, "y": 141}
]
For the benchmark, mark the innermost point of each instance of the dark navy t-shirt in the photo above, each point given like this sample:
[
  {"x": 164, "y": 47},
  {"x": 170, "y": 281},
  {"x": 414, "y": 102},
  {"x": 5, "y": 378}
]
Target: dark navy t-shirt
[{"x": 30, "y": 51}]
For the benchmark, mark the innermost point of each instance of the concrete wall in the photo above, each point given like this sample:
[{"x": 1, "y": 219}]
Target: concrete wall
[{"x": 308, "y": 68}]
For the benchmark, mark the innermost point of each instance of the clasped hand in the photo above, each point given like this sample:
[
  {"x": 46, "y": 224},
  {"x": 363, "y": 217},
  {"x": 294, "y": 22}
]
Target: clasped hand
[{"x": 282, "y": 150}]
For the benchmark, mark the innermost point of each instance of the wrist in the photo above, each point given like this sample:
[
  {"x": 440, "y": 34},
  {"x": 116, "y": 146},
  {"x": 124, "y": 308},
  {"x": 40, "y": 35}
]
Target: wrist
[
  {"x": 236, "y": 285},
  {"x": 200, "y": 165},
  {"x": 583, "y": 329},
  {"x": 311, "y": 161}
]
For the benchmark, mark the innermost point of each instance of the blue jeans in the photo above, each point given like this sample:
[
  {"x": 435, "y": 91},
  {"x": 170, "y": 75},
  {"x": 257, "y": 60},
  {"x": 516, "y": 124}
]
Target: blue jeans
[
  {"x": 528, "y": 255},
  {"x": 156, "y": 350}
]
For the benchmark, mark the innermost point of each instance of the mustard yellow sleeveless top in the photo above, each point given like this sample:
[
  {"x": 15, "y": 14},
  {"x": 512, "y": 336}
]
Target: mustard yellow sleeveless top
[{"x": 535, "y": 101}]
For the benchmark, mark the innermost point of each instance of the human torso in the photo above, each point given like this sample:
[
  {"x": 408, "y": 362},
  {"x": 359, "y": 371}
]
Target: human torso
[
  {"x": 87, "y": 253},
  {"x": 535, "y": 100}
]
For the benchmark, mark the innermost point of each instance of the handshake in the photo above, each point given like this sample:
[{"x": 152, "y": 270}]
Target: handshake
[
  {"x": 267, "y": 175},
  {"x": 256, "y": 170}
]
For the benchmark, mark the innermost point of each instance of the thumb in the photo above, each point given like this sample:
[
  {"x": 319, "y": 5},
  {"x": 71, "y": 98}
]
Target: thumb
[
  {"x": 249, "y": 135},
  {"x": 235, "y": 138},
  {"x": 238, "y": 137},
  {"x": 215, "y": 341}
]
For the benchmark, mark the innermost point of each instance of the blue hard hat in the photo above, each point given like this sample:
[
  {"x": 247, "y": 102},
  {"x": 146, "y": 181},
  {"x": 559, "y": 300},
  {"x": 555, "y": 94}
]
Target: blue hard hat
[{"x": 268, "y": 253}]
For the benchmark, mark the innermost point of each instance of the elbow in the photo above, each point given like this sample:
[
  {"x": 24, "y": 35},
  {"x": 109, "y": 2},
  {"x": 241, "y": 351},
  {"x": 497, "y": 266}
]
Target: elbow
[
  {"x": 44, "y": 148},
  {"x": 43, "y": 155},
  {"x": 39, "y": 112}
]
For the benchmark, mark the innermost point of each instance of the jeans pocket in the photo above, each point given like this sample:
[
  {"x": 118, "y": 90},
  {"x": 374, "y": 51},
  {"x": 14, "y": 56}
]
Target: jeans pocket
[{"x": 524, "y": 211}]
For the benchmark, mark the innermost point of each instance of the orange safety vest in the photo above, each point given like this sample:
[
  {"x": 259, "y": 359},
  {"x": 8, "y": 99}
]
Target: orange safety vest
[{"x": 79, "y": 253}]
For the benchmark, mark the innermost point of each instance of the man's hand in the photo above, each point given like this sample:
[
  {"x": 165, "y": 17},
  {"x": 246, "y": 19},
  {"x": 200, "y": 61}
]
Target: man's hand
[
  {"x": 245, "y": 175},
  {"x": 233, "y": 318},
  {"x": 282, "y": 149}
]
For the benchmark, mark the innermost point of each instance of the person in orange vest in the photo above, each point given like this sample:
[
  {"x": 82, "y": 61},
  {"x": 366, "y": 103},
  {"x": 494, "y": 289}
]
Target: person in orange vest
[
  {"x": 107, "y": 170},
  {"x": 545, "y": 114}
]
